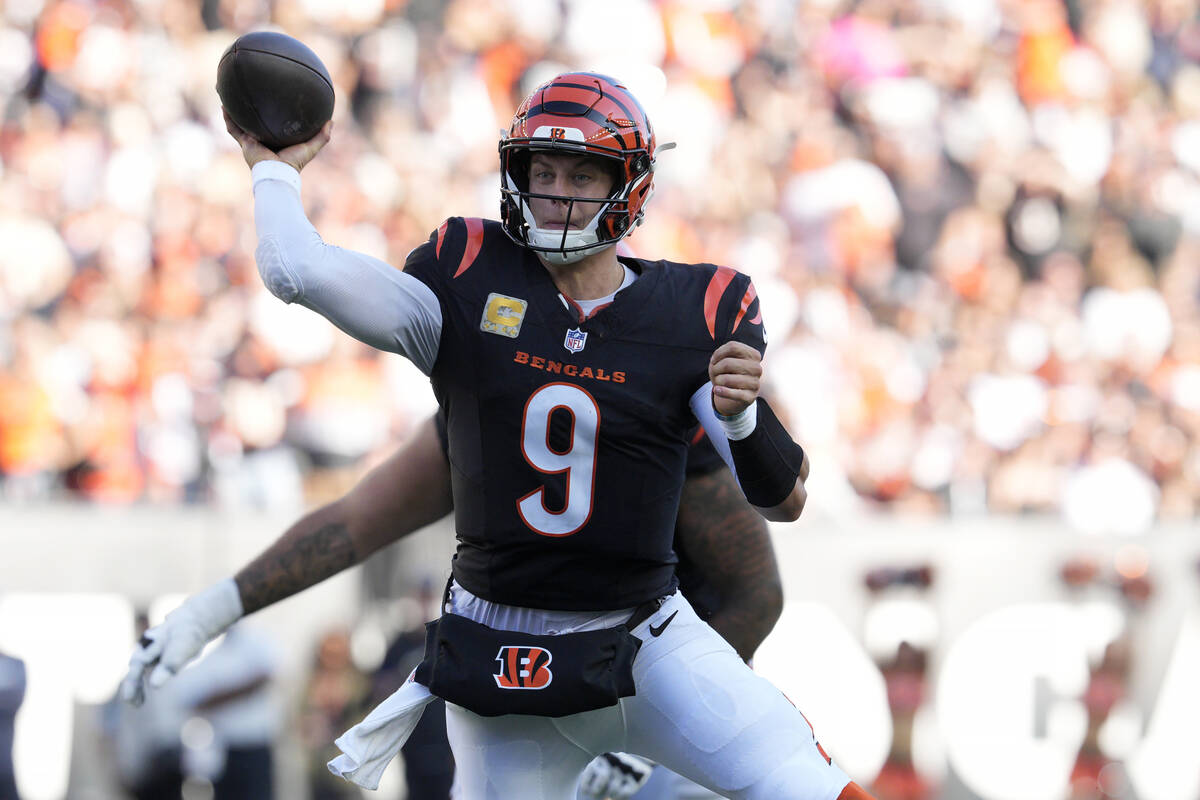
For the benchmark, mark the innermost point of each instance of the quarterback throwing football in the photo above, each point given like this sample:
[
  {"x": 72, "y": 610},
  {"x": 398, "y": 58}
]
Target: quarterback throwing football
[{"x": 569, "y": 379}]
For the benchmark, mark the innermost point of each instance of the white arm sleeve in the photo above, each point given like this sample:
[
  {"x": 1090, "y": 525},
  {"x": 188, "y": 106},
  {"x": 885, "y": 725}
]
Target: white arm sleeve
[
  {"x": 701, "y": 405},
  {"x": 365, "y": 297}
]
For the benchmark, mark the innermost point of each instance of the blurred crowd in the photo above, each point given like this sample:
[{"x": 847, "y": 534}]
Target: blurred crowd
[{"x": 975, "y": 227}]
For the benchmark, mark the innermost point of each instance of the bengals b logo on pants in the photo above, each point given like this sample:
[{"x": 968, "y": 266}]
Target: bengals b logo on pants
[{"x": 523, "y": 668}]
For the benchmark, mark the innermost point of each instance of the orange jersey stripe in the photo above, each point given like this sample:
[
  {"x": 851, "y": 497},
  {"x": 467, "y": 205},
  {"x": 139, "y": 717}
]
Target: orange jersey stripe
[
  {"x": 441, "y": 237},
  {"x": 474, "y": 242},
  {"x": 712, "y": 296},
  {"x": 748, "y": 298}
]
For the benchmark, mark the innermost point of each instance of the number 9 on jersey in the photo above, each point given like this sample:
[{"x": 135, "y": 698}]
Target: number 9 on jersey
[{"x": 577, "y": 462}]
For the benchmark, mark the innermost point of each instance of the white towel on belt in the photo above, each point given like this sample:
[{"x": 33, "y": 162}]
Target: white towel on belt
[{"x": 369, "y": 746}]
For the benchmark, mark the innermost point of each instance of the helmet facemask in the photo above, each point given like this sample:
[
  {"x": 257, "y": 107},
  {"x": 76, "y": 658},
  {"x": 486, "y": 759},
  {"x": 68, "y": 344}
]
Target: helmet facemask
[{"x": 609, "y": 223}]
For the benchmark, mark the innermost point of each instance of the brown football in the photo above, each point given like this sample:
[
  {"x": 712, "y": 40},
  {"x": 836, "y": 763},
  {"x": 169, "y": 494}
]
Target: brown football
[{"x": 275, "y": 88}]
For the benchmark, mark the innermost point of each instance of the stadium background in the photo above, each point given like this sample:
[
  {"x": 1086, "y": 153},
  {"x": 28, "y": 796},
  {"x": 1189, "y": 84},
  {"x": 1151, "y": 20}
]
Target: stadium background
[{"x": 975, "y": 227}]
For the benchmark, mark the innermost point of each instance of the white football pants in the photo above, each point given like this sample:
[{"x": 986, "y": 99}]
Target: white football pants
[
  {"x": 699, "y": 711},
  {"x": 666, "y": 785}
]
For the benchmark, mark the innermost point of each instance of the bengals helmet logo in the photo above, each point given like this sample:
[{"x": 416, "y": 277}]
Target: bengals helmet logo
[
  {"x": 523, "y": 668},
  {"x": 558, "y": 133}
]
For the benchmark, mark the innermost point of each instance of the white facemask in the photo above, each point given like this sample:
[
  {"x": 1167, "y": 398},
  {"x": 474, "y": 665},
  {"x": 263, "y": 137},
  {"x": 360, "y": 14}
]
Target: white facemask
[{"x": 554, "y": 243}]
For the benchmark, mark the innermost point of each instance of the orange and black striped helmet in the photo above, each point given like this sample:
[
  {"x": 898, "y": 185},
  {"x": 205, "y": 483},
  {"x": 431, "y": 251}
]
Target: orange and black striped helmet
[{"x": 580, "y": 113}]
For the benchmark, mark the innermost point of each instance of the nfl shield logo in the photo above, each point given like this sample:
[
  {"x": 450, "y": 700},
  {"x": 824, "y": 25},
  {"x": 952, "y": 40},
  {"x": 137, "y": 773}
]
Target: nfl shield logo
[{"x": 575, "y": 340}]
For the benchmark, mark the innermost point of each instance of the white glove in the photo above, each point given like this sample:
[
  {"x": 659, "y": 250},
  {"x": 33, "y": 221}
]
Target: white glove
[
  {"x": 616, "y": 776},
  {"x": 180, "y": 637}
]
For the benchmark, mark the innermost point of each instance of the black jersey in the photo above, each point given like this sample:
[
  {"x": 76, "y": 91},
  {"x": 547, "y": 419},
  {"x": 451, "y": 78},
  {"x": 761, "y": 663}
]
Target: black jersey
[
  {"x": 568, "y": 437},
  {"x": 702, "y": 459}
]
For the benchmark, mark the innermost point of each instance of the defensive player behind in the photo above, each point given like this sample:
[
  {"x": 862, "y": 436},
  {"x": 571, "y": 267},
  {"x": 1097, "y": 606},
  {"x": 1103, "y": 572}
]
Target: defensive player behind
[
  {"x": 569, "y": 379},
  {"x": 726, "y": 566}
]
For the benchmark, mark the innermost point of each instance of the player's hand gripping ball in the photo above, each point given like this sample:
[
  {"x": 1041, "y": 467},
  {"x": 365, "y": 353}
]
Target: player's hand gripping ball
[{"x": 275, "y": 88}]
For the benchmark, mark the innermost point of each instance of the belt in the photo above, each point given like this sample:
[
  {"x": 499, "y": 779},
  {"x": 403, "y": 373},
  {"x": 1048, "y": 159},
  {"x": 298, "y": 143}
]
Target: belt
[{"x": 645, "y": 610}]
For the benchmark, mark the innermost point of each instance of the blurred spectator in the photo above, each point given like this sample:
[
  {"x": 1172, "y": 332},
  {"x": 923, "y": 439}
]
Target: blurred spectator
[
  {"x": 905, "y": 675},
  {"x": 230, "y": 689},
  {"x": 900, "y": 631},
  {"x": 974, "y": 227},
  {"x": 145, "y": 742},
  {"x": 335, "y": 698},
  {"x": 12, "y": 692},
  {"x": 1109, "y": 697}
]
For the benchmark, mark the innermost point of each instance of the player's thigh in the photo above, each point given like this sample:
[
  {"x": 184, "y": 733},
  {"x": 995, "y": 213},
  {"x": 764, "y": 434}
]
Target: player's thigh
[
  {"x": 667, "y": 785},
  {"x": 701, "y": 712},
  {"x": 514, "y": 756}
]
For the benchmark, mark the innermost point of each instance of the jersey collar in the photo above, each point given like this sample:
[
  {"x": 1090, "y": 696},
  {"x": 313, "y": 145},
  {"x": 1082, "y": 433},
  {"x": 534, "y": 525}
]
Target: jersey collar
[{"x": 606, "y": 319}]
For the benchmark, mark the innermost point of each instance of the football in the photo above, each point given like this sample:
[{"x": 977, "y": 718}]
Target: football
[{"x": 275, "y": 88}]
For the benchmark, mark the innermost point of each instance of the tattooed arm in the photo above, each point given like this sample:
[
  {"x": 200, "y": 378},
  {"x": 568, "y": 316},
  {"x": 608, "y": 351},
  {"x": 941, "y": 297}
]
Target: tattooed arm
[
  {"x": 729, "y": 542},
  {"x": 405, "y": 493}
]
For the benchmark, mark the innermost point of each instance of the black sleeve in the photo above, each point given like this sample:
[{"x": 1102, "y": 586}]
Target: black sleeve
[
  {"x": 422, "y": 261},
  {"x": 767, "y": 461}
]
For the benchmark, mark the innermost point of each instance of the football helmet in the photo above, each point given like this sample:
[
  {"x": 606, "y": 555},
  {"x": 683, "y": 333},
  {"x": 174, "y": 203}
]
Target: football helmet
[{"x": 578, "y": 113}]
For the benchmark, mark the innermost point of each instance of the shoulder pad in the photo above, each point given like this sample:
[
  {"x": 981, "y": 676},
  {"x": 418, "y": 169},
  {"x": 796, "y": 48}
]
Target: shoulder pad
[{"x": 457, "y": 243}]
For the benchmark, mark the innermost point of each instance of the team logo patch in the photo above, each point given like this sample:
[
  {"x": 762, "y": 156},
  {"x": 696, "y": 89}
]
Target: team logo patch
[
  {"x": 523, "y": 668},
  {"x": 503, "y": 315},
  {"x": 575, "y": 340},
  {"x": 564, "y": 134}
]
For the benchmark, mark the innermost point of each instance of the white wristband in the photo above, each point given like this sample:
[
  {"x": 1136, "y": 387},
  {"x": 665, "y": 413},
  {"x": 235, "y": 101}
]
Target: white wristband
[
  {"x": 272, "y": 170},
  {"x": 740, "y": 425}
]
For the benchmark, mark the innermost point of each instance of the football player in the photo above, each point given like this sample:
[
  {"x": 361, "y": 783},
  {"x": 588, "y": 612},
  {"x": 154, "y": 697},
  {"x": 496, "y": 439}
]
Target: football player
[
  {"x": 569, "y": 379},
  {"x": 726, "y": 569}
]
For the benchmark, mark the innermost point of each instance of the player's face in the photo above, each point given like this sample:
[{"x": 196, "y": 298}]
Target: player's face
[{"x": 567, "y": 176}]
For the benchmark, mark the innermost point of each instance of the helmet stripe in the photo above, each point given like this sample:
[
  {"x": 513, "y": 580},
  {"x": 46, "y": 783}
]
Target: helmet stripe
[
  {"x": 562, "y": 108},
  {"x": 602, "y": 89},
  {"x": 615, "y": 98}
]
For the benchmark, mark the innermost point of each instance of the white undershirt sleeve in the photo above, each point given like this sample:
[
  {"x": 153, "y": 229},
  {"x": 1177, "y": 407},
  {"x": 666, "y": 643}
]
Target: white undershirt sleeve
[
  {"x": 701, "y": 405},
  {"x": 365, "y": 297}
]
